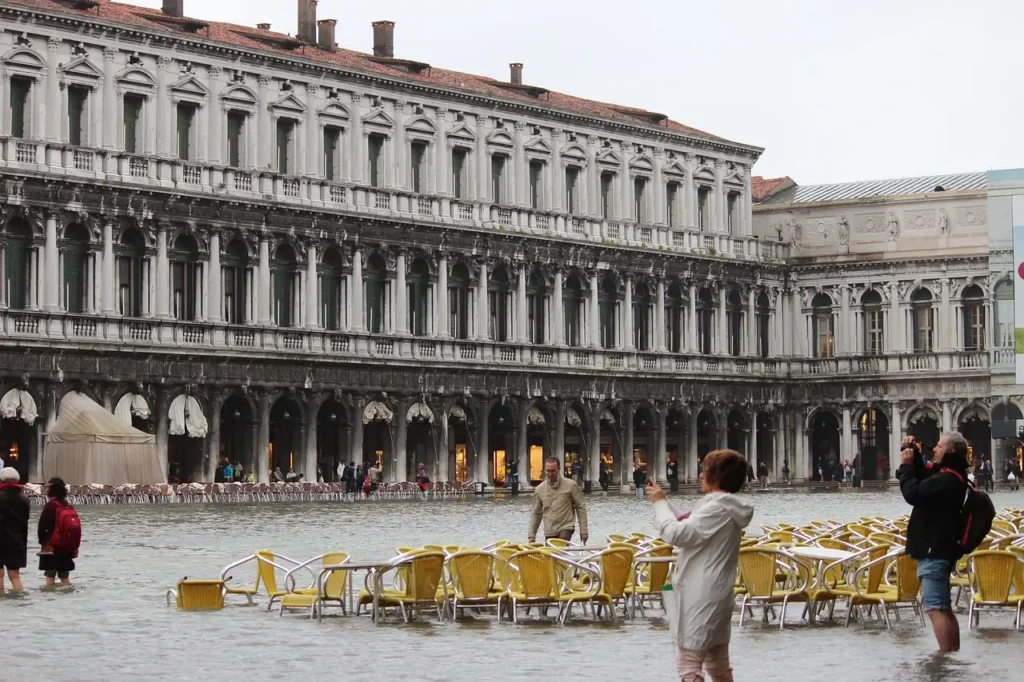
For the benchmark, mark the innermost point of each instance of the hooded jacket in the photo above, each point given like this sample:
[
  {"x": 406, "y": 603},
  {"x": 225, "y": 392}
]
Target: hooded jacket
[
  {"x": 14, "y": 513},
  {"x": 705, "y": 575},
  {"x": 937, "y": 496}
]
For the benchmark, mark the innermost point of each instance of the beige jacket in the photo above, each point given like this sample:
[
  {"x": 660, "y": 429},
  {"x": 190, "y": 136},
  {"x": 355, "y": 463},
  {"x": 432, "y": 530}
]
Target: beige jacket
[{"x": 559, "y": 505}]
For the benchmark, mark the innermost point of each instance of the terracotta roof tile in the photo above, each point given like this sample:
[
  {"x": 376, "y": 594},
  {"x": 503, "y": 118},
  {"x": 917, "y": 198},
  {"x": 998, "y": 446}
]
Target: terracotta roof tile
[
  {"x": 762, "y": 188},
  {"x": 148, "y": 19}
]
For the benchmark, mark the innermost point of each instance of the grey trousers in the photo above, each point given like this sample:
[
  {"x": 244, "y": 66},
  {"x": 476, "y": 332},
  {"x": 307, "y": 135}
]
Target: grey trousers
[{"x": 562, "y": 535}]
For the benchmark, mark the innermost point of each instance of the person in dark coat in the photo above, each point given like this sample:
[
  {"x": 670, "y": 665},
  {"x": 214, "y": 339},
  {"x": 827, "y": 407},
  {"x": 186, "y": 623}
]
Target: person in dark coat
[
  {"x": 14, "y": 513},
  {"x": 54, "y": 564}
]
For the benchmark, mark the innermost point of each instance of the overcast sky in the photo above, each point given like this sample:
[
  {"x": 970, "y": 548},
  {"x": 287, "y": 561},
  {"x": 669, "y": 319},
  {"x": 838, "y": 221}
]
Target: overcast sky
[{"x": 833, "y": 90}]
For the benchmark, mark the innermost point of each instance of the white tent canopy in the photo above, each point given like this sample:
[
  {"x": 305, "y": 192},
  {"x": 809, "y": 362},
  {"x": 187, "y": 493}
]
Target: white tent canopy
[
  {"x": 420, "y": 411},
  {"x": 131, "y": 405},
  {"x": 186, "y": 415},
  {"x": 19, "y": 404},
  {"x": 87, "y": 445},
  {"x": 377, "y": 412}
]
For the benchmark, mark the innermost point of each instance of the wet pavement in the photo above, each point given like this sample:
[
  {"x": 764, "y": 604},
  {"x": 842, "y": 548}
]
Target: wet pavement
[{"x": 114, "y": 625}]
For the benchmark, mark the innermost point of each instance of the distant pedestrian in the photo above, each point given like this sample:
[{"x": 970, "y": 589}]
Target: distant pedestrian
[
  {"x": 884, "y": 463},
  {"x": 762, "y": 473},
  {"x": 603, "y": 478},
  {"x": 576, "y": 468},
  {"x": 639, "y": 478},
  {"x": 787, "y": 475},
  {"x": 278, "y": 476},
  {"x": 228, "y": 472},
  {"x": 60, "y": 533},
  {"x": 360, "y": 481},
  {"x": 14, "y": 513}
]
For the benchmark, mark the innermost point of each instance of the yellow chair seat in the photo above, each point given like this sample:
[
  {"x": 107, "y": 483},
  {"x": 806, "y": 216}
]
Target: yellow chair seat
[
  {"x": 820, "y": 594},
  {"x": 305, "y": 591},
  {"x": 1012, "y": 599},
  {"x": 393, "y": 597},
  {"x": 247, "y": 591},
  {"x": 295, "y": 600}
]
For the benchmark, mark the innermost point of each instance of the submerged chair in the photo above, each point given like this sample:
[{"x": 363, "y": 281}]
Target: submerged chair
[
  {"x": 267, "y": 563},
  {"x": 329, "y": 586},
  {"x": 760, "y": 569},
  {"x": 993, "y": 573},
  {"x": 423, "y": 573},
  {"x": 474, "y": 581},
  {"x": 535, "y": 582},
  {"x": 650, "y": 576},
  {"x": 890, "y": 597}
]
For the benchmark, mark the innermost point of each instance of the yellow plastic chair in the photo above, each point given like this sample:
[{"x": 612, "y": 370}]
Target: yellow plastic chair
[
  {"x": 558, "y": 543},
  {"x": 759, "y": 569},
  {"x": 1004, "y": 525},
  {"x": 328, "y": 588},
  {"x": 992, "y": 576},
  {"x": 833, "y": 581},
  {"x": 197, "y": 595},
  {"x": 615, "y": 568},
  {"x": 890, "y": 597},
  {"x": 267, "y": 565},
  {"x": 651, "y": 577},
  {"x": 473, "y": 577},
  {"x": 423, "y": 574},
  {"x": 536, "y": 580}
]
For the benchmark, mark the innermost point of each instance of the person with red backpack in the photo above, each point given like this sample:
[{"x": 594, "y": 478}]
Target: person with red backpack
[{"x": 60, "y": 534}]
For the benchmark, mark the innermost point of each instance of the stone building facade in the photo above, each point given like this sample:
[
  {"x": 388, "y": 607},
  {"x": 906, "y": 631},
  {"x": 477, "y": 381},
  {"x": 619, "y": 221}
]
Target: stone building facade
[{"x": 271, "y": 249}]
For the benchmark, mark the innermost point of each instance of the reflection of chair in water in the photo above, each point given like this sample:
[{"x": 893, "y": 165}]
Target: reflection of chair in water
[{"x": 315, "y": 596}]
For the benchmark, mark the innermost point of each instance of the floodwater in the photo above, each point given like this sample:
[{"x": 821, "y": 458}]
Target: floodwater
[{"x": 114, "y": 625}]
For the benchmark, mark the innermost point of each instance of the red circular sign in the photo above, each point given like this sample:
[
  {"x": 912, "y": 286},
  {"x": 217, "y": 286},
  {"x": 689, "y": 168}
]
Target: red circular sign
[{"x": 1020, "y": 270}]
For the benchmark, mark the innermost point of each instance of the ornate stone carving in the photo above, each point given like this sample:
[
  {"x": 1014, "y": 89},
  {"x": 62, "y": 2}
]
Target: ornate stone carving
[
  {"x": 821, "y": 227},
  {"x": 796, "y": 231},
  {"x": 844, "y": 229},
  {"x": 971, "y": 216},
  {"x": 919, "y": 220},
  {"x": 869, "y": 223},
  {"x": 943, "y": 221},
  {"x": 894, "y": 226}
]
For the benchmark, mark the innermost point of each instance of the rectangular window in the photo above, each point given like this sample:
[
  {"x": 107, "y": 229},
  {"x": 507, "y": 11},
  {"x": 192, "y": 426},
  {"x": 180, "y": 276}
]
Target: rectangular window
[
  {"x": 285, "y": 145},
  {"x": 498, "y": 179},
  {"x": 572, "y": 180},
  {"x": 924, "y": 318},
  {"x": 133, "y": 123},
  {"x": 375, "y": 150},
  {"x": 763, "y": 322},
  {"x": 703, "y": 208},
  {"x": 236, "y": 139},
  {"x": 705, "y": 330},
  {"x": 20, "y": 89},
  {"x": 824, "y": 342},
  {"x": 77, "y": 119},
  {"x": 674, "y": 328},
  {"x": 975, "y": 327},
  {"x": 735, "y": 322},
  {"x": 671, "y": 199},
  {"x": 458, "y": 172},
  {"x": 499, "y": 309},
  {"x": 418, "y": 159},
  {"x": 573, "y": 311},
  {"x": 536, "y": 178},
  {"x": 640, "y": 200},
  {"x": 733, "y": 211},
  {"x": 874, "y": 341},
  {"x": 606, "y": 194},
  {"x": 186, "y": 131},
  {"x": 332, "y": 153}
]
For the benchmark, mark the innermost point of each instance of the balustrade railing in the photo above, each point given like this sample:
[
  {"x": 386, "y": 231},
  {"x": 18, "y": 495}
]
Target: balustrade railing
[
  {"x": 1004, "y": 357},
  {"x": 83, "y": 159},
  {"x": 336, "y": 194},
  {"x": 138, "y": 167},
  {"x": 25, "y": 152},
  {"x": 191, "y": 175}
]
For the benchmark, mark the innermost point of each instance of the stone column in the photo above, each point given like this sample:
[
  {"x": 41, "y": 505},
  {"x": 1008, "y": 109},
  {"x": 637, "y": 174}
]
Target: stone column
[
  {"x": 845, "y": 322},
  {"x": 947, "y": 417},
  {"x": 400, "y": 457},
  {"x": 519, "y": 179},
  {"x": 944, "y": 338},
  {"x": 51, "y": 269},
  {"x": 521, "y": 317},
  {"x": 482, "y": 302},
  {"x": 355, "y": 139},
  {"x": 778, "y": 326},
  {"x": 522, "y": 446},
  {"x": 263, "y": 439},
  {"x": 161, "y": 431},
  {"x": 718, "y": 216},
  {"x": 355, "y": 450},
  {"x": 660, "y": 469},
  {"x": 312, "y": 290},
  {"x": 263, "y": 293},
  {"x": 627, "y": 317},
  {"x": 480, "y": 169},
  {"x": 355, "y": 292},
  {"x": 213, "y": 440},
  {"x": 723, "y": 324},
  {"x": 748, "y": 207},
  {"x": 442, "y": 154},
  {"x": 750, "y": 348},
  {"x": 216, "y": 304},
  {"x": 111, "y": 139},
  {"x": 895, "y": 437},
  {"x": 595, "y": 336},
  {"x": 109, "y": 269},
  {"x": 626, "y": 468},
  {"x": 895, "y": 337},
  {"x": 443, "y": 469},
  {"x": 51, "y": 419},
  {"x": 658, "y": 191},
  {"x": 481, "y": 448},
  {"x": 560, "y": 434},
  {"x": 691, "y": 321},
  {"x": 558, "y": 311},
  {"x": 846, "y": 445},
  {"x": 689, "y": 192},
  {"x": 593, "y": 206},
  {"x": 310, "y": 444},
  {"x": 659, "y": 318},
  {"x": 752, "y": 455},
  {"x": 163, "y": 108},
  {"x": 162, "y": 286},
  {"x": 595, "y": 443},
  {"x": 53, "y": 98},
  {"x": 442, "y": 298},
  {"x": 557, "y": 173},
  {"x": 401, "y": 296}
]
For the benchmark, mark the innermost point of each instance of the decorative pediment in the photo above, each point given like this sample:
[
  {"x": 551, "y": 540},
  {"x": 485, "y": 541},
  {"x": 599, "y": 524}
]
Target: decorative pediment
[
  {"x": 189, "y": 87},
  {"x": 609, "y": 158},
  {"x": 674, "y": 168},
  {"x": 136, "y": 77},
  {"x": 289, "y": 104},
  {"x": 574, "y": 152},
  {"x": 240, "y": 96},
  {"x": 705, "y": 172},
  {"x": 500, "y": 138},
  {"x": 335, "y": 112},
  {"x": 461, "y": 132},
  {"x": 642, "y": 163},
  {"x": 422, "y": 126},
  {"x": 24, "y": 58},
  {"x": 735, "y": 178},
  {"x": 378, "y": 118},
  {"x": 538, "y": 145},
  {"x": 82, "y": 69}
]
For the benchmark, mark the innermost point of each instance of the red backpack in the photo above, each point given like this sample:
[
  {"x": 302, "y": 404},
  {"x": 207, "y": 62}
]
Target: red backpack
[{"x": 67, "y": 529}]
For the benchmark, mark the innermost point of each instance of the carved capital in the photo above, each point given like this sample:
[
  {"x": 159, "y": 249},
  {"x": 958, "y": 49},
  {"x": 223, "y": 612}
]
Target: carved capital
[
  {"x": 162, "y": 61},
  {"x": 53, "y": 43},
  {"x": 263, "y": 81},
  {"x": 109, "y": 53},
  {"x": 312, "y": 88}
]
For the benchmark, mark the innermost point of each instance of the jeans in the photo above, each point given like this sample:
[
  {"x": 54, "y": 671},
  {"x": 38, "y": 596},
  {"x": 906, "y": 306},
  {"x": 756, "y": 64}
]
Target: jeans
[
  {"x": 690, "y": 664},
  {"x": 639, "y": 492},
  {"x": 934, "y": 577}
]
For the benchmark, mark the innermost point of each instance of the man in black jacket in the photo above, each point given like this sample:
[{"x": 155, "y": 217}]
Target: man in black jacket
[{"x": 936, "y": 491}]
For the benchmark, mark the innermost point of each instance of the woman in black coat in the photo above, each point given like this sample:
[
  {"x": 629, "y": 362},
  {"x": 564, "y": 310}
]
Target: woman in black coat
[{"x": 14, "y": 513}]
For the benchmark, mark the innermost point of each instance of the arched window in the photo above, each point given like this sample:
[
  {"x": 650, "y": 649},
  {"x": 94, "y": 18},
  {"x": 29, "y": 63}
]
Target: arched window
[
  {"x": 675, "y": 318},
  {"x": 705, "y": 321},
  {"x": 185, "y": 277},
  {"x": 332, "y": 289},
  {"x": 132, "y": 274},
  {"x": 643, "y": 327},
  {"x": 76, "y": 268},
  {"x": 284, "y": 274},
  {"x": 235, "y": 273},
  {"x": 734, "y": 320},
  {"x": 973, "y": 301},
  {"x": 572, "y": 294},
  {"x": 499, "y": 304},
  {"x": 536, "y": 307},
  {"x": 874, "y": 323},
  {"x": 460, "y": 301},
  {"x": 1003, "y": 296},
  {"x": 608, "y": 303},
  {"x": 764, "y": 321},
  {"x": 375, "y": 281},
  {"x": 923, "y": 317},
  {"x": 17, "y": 256},
  {"x": 823, "y": 326},
  {"x": 418, "y": 285}
]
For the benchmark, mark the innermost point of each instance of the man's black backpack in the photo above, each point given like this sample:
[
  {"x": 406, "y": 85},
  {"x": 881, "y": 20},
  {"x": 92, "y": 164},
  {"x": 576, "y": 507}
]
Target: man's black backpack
[{"x": 976, "y": 517}]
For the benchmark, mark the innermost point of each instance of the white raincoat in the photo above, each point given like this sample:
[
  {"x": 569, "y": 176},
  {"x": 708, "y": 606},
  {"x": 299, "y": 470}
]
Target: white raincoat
[{"x": 705, "y": 574}]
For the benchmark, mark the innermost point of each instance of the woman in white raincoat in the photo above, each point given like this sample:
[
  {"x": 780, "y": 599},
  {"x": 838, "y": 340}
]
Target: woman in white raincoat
[{"x": 709, "y": 542}]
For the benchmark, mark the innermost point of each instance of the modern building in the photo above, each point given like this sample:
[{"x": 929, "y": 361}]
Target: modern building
[{"x": 268, "y": 248}]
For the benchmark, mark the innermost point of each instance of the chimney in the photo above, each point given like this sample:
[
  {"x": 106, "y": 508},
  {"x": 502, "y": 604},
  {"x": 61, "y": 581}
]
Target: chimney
[
  {"x": 174, "y": 8},
  {"x": 516, "y": 75},
  {"x": 325, "y": 38},
  {"x": 384, "y": 39},
  {"x": 263, "y": 27},
  {"x": 307, "y": 21}
]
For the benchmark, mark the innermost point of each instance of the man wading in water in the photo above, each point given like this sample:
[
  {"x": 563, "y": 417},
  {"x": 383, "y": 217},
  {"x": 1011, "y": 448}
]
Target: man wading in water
[{"x": 559, "y": 502}]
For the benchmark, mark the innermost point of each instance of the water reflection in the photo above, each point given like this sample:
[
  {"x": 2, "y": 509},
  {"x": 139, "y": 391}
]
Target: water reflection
[{"x": 114, "y": 625}]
